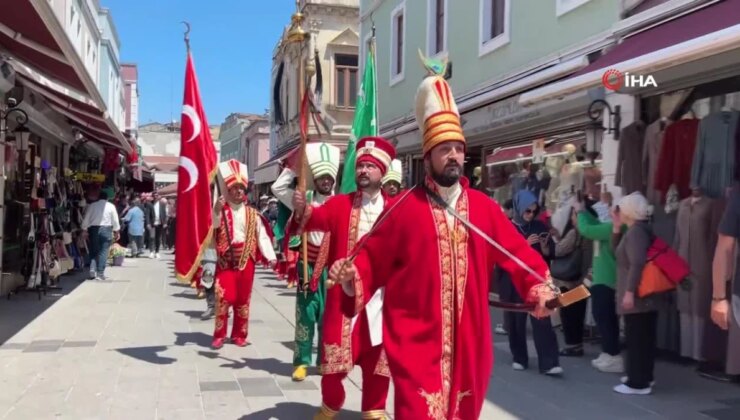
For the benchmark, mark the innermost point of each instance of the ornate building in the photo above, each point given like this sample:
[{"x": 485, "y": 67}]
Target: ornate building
[{"x": 328, "y": 58}]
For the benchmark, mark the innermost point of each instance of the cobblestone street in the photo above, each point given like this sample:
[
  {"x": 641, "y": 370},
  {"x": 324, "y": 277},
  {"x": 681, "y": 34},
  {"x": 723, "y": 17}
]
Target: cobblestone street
[{"x": 134, "y": 348}]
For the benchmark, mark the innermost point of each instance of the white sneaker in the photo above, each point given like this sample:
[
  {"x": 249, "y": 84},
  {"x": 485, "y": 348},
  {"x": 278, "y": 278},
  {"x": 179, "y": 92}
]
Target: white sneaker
[
  {"x": 517, "y": 366},
  {"x": 156, "y": 255},
  {"x": 151, "y": 255},
  {"x": 599, "y": 360},
  {"x": 500, "y": 329},
  {"x": 624, "y": 380},
  {"x": 624, "y": 389},
  {"x": 611, "y": 364},
  {"x": 556, "y": 371}
]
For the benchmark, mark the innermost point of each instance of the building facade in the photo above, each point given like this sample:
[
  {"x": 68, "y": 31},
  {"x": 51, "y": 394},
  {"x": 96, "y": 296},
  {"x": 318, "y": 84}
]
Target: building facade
[
  {"x": 256, "y": 144},
  {"x": 331, "y": 49},
  {"x": 231, "y": 133},
  {"x": 130, "y": 76}
]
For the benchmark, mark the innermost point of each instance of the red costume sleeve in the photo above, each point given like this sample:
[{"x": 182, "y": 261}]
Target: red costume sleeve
[
  {"x": 506, "y": 235},
  {"x": 315, "y": 219}
]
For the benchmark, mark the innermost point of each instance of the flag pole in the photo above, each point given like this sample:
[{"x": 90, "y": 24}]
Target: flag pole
[{"x": 298, "y": 35}]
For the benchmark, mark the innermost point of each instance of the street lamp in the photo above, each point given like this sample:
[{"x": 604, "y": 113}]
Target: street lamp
[{"x": 595, "y": 129}]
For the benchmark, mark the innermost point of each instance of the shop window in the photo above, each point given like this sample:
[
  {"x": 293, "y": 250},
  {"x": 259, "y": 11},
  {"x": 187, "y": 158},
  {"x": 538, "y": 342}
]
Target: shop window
[
  {"x": 437, "y": 27},
  {"x": 398, "y": 35},
  {"x": 494, "y": 25},
  {"x": 346, "y": 80}
]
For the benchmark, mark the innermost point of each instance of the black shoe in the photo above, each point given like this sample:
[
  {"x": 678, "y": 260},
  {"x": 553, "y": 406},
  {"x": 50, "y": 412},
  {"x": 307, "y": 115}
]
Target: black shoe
[
  {"x": 207, "y": 314},
  {"x": 575, "y": 351}
]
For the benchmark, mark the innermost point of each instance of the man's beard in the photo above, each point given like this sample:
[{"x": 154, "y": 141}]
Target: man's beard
[
  {"x": 449, "y": 176},
  {"x": 365, "y": 183}
]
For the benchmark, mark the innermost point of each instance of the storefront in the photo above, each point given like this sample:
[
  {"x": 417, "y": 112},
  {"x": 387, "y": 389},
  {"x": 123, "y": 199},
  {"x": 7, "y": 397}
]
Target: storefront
[{"x": 677, "y": 144}]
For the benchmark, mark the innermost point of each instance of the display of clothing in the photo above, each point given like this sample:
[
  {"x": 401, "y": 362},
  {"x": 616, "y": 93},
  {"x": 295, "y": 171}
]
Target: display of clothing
[
  {"x": 713, "y": 166},
  {"x": 571, "y": 180},
  {"x": 629, "y": 174},
  {"x": 676, "y": 157},
  {"x": 553, "y": 165},
  {"x": 654, "y": 134},
  {"x": 592, "y": 182},
  {"x": 694, "y": 240}
]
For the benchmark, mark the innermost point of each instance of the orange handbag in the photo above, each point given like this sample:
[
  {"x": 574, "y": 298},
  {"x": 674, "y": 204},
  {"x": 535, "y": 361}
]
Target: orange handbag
[{"x": 654, "y": 281}]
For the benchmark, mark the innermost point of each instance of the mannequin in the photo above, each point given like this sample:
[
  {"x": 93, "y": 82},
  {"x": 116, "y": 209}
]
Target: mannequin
[
  {"x": 695, "y": 239},
  {"x": 571, "y": 176},
  {"x": 555, "y": 165}
]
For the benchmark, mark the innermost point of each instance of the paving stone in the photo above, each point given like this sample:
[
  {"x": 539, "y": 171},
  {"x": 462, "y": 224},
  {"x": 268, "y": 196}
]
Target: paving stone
[
  {"x": 13, "y": 346},
  {"x": 219, "y": 386},
  {"x": 41, "y": 349},
  {"x": 260, "y": 387},
  {"x": 75, "y": 344},
  {"x": 289, "y": 385}
]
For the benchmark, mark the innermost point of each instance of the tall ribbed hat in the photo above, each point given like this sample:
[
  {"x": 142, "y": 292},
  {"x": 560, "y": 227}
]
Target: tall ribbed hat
[
  {"x": 436, "y": 113},
  {"x": 323, "y": 159}
]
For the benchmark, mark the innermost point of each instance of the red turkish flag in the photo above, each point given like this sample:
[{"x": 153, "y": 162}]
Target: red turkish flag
[{"x": 198, "y": 166}]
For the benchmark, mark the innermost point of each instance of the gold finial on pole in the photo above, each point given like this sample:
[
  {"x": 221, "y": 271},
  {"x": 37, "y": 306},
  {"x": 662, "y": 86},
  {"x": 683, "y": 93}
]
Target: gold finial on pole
[
  {"x": 296, "y": 32},
  {"x": 187, "y": 34}
]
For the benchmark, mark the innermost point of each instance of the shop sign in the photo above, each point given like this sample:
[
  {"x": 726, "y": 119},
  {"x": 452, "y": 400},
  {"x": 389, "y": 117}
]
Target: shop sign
[
  {"x": 89, "y": 177},
  {"x": 538, "y": 151},
  {"x": 497, "y": 115}
]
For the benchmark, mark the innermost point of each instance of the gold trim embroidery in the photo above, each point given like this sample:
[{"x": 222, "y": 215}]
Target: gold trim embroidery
[
  {"x": 460, "y": 241},
  {"x": 460, "y": 396},
  {"x": 374, "y": 415},
  {"x": 382, "y": 368},
  {"x": 447, "y": 299},
  {"x": 435, "y": 404}
]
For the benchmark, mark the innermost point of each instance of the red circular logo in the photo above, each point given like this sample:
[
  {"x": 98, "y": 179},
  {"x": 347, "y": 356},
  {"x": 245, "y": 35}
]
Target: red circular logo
[{"x": 612, "y": 79}]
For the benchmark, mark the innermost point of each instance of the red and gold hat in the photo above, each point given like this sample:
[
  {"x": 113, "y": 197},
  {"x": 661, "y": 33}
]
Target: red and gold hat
[
  {"x": 232, "y": 172},
  {"x": 376, "y": 150},
  {"x": 437, "y": 114}
]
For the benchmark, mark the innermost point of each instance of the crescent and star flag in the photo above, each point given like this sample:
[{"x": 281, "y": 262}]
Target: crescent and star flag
[
  {"x": 198, "y": 165},
  {"x": 365, "y": 121}
]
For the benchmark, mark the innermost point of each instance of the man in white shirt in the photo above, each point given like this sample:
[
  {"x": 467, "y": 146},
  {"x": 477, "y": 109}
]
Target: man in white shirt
[{"x": 101, "y": 226}]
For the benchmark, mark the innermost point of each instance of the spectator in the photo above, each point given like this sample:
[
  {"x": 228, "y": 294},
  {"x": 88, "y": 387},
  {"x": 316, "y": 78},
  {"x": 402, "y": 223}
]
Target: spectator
[
  {"x": 134, "y": 218},
  {"x": 545, "y": 341},
  {"x": 569, "y": 253},
  {"x": 640, "y": 313},
  {"x": 603, "y": 294},
  {"x": 100, "y": 224}
]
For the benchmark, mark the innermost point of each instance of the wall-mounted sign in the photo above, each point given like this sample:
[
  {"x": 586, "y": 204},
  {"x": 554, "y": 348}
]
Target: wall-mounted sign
[{"x": 88, "y": 177}]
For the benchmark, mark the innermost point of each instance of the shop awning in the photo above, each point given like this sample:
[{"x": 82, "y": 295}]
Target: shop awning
[
  {"x": 523, "y": 152},
  {"x": 709, "y": 31},
  {"x": 270, "y": 170},
  {"x": 40, "y": 52}
]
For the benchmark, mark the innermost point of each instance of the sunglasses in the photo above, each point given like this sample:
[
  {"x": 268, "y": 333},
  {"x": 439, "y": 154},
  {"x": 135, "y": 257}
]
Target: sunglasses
[{"x": 528, "y": 211}]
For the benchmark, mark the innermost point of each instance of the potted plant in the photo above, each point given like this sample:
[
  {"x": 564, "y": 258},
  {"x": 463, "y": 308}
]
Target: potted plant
[{"x": 117, "y": 254}]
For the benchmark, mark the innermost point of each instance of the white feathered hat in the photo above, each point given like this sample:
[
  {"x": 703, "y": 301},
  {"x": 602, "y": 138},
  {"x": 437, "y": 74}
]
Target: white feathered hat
[
  {"x": 395, "y": 172},
  {"x": 323, "y": 159}
]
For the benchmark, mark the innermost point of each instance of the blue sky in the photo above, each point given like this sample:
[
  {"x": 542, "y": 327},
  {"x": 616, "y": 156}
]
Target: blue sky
[{"x": 231, "y": 41}]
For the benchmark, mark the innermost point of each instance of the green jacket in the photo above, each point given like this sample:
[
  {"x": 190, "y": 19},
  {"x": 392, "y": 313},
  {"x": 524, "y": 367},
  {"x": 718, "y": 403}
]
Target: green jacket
[{"x": 604, "y": 263}]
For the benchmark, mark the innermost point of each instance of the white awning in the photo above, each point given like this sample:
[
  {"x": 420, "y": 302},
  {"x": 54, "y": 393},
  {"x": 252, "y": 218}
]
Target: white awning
[{"x": 697, "y": 48}]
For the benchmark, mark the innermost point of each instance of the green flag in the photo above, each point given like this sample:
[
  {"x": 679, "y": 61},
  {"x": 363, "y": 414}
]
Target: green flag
[{"x": 365, "y": 121}]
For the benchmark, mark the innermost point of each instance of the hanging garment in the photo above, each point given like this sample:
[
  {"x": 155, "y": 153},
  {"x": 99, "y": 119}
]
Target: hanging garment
[
  {"x": 654, "y": 134},
  {"x": 713, "y": 167},
  {"x": 629, "y": 174},
  {"x": 676, "y": 157},
  {"x": 694, "y": 240}
]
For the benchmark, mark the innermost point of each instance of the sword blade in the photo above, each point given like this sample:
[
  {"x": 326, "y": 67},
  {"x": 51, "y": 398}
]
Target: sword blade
[{"x": 487, "y": 238}]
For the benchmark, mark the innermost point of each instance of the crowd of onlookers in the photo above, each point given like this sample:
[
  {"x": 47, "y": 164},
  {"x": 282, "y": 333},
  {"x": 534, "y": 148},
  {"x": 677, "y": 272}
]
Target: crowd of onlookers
[
  {"x": 149, "y": 223},
  {"x": 604, "y": 247}
]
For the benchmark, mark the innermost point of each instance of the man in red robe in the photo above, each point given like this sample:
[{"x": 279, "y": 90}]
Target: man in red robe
[
  {"x": 241, "y": 240},
  {"x": 349, "y": 340},
  {"x": 436, "y": 273}
]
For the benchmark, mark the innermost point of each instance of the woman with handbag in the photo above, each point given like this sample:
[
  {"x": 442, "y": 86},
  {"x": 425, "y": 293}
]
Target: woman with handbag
[
  {"x": 525, "y": 220},
  {"x": 567, "y": 272},
  {"x": 640, "y": 313}
]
